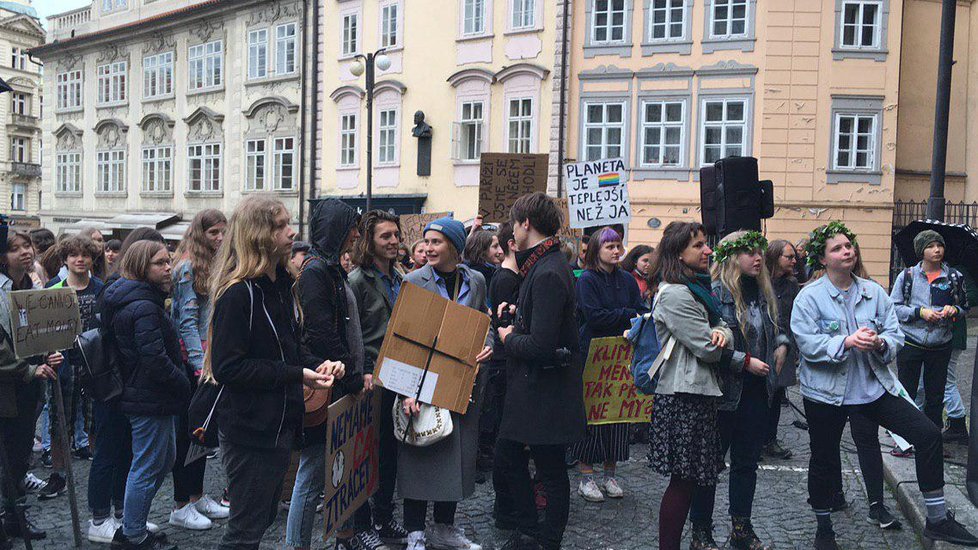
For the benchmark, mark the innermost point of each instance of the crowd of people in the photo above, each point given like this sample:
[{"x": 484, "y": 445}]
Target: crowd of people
[{"x": 264, "y": 325}]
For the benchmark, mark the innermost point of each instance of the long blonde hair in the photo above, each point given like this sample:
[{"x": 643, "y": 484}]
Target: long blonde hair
[
  {"x": 728, "y": 273},
  {"x": 247, "y": 253}
]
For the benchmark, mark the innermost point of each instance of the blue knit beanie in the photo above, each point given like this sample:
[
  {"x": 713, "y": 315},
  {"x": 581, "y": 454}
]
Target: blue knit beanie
[{"x": 452, "y": 229}]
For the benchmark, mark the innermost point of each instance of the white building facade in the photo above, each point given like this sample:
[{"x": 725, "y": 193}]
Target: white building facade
[{"x": 163, "y": 108}]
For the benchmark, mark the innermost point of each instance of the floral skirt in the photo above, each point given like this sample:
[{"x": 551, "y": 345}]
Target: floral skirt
[{"x": 684, "y": 440}]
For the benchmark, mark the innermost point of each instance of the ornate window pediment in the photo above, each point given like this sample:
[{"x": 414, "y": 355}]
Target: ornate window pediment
[
  {"x": 69, "y": 137},
  {"x": 111, "y": 134},
  {"x": 205, "y": 125},
  {"x": 157, "y": 129}
]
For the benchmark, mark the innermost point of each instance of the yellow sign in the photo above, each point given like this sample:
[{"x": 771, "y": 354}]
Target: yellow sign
[{"x": 610, "y": 395}]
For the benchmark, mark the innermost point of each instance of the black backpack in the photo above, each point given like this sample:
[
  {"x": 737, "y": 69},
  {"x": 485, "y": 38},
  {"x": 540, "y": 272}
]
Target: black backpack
[{"x": 99, "y": 369}]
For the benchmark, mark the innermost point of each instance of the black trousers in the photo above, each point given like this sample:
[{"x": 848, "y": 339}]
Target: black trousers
[
  {"x": 516, "y": 500},
  {"x": 255, "y": 479},
  {"x": 416, "y": 512},
  {"x": 910, "y": 361},
  {"x": 17, "y": 434},
  {"x": 188, "y": 481},
  {"x": 383, "y": 500},
  {"x": 866, "y": 436},
  {"x": 492, "y": 408},
  {"x": 774, "y": 418},
  {"x": 825, "y": 426}
]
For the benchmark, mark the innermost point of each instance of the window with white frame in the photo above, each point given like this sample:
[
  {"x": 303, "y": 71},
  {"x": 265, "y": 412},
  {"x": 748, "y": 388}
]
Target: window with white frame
[
  {"x": 523, "y": 14},
  {"x": 157, "y": 169},
  {"x": 723, "y": 130},
  {"x": 277, "y": 163},
  {"x": 69, "y": 90},
  {"x": 18, "y": 58},
  {"x": 112, "y": 82},
  {"x": 855, "y": 142},
  {"x": 20, "y": 103},
  {"x": 468, "y": 143},
  {"x": 18, "y": 196},
  {"x": 283, "y": 163},
  {"x": 158, "y": 75},
  {"x": 206, "y": 65},
  {"x": 255, "y": 157},
  {"x": 113, "y": 5},
  {"x": 729, "y": 18},
  {"x": 667, "y": 20},
  {"x": 861, "y": 24},
  {"x": 68, "y": 172},
  {"x": 604, "y": 130},
  {"x": 348, "y": 140},
  {"x": 608, "y": 21},
  {"x": 205, "y": 167},
  {"x": 520, "y": 125},
  {"x": 350, "y": 38},
  {"x": 258, "y": 53},
  {"x": 286, "y": 48},
  {"x": 663, "y": 123},
  {"x": 473, "y": 17},
  {"x": 20, "y": 149},
  {"x": 111, "y": 171},
  {"x": 387, "y": 128},
  {"x": 390, "y": 26}
]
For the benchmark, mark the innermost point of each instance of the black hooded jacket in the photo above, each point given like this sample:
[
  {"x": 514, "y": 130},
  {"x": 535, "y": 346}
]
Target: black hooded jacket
[{"x": 156, "y": 382}]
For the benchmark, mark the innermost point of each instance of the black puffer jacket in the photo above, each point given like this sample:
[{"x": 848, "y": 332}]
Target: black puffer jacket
[{"x": 156, "y": 383}]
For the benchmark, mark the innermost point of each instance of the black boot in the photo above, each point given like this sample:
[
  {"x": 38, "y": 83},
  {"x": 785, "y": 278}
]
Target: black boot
[
  {"x": 957, "y": 431},
  {"x": 743, "y": 536},
  {"x": 702, "y": 538},
  {"x": 826, "y": 541},
  {"x": 12, "y": 526}
]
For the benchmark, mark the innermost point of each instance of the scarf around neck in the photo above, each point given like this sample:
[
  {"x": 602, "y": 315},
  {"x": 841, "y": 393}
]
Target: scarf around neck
[
  {"x": 701, "y": 287},
  {"x": 526, "y": 260}
]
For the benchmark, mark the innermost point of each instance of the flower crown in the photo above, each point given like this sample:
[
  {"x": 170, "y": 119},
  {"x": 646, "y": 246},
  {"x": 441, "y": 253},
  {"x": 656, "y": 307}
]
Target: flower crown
[
  {"x": 748, "y": 242},
  {"x": 821, "y": 235}
]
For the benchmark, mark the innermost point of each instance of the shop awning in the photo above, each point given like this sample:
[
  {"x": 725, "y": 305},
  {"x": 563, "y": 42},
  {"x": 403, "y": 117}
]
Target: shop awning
[
  {"x": 157, "y": 221},
  {"x": 175, "y": 232}
]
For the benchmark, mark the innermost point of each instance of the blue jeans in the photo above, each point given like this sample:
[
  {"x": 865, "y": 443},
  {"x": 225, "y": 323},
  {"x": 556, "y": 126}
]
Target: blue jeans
[
  {"x": 154, "y": 449},
  {"x": 73, "y": 400},
  {"x": 112, "y": 460},
  {"x": 310, "y": 480},
  {"x": 952, "y": 395}
]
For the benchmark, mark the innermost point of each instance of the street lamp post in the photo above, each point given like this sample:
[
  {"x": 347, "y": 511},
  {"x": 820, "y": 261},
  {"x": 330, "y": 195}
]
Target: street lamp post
[{"x": 367, "y": 63}]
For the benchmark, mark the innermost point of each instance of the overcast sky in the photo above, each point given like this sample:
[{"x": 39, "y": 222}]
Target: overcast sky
[{"x": 50, "y": 7}]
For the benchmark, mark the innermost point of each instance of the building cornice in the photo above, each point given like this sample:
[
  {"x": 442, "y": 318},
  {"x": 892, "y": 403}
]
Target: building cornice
[
  {"x": 344, "y": 91},
  {"x": 275, "y": 99},
  {"x": 531, "y": 69},
  {"x": 465, "y": 75}
]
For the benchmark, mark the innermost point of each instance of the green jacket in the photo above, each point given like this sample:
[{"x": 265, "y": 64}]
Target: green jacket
[
  {"x": 13, "y": 371},
  {"x": 375, "y": 308}
]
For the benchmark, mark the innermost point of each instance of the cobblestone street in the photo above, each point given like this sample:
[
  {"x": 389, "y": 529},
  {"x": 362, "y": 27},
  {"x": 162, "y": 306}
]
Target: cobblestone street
[{"x": 781, "y": 514}]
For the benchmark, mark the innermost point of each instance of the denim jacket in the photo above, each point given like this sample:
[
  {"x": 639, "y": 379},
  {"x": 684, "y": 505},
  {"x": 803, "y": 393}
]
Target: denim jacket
[
  {"x": 910, "y": 296},
  {"x": 191, "y": 314},
  {"x": 819, "y": 324}
]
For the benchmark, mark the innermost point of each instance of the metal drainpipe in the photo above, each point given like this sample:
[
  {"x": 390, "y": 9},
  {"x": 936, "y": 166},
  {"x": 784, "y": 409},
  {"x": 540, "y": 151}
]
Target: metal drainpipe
[{"x": 563, "y": 103}]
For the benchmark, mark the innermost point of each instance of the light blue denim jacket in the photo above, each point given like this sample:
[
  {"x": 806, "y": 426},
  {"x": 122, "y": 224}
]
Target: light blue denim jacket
[
  {"x": 191, "y": 314},
  {"x": 820, "y": 326},
  {"x": 918, "y": 331}
]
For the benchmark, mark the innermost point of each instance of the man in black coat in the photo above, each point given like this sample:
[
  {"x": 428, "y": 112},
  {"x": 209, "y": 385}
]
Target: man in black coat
[{"x": 544, "y": 406}]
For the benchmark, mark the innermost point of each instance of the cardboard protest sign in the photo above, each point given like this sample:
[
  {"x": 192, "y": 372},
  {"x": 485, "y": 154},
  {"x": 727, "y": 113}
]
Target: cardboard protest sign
[
  {"x": 352, "y": 462},
  {"x": 412, "y": 225},
  {"x": 610, "y": 395},
  {"x": 44, "y": 321},
  {"x": 505, "y": 177},
  {"x": 567, "y": 233},
  {"x": 597, "y": 193},
  {"x": 427, "y": 330}
]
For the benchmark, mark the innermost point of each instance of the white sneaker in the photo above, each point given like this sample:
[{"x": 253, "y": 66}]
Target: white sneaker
[
  {"x": 150, "y": 526},
  {"x": 589, "y": 491},
  {"x": 449, "y": 537},
  {"x": 611, "y": 488},
  {"x": 33, "y": 484},
  {"x": 211, "y": 508},
  {"x": 189, "y": 518},
  {"x": 416, "y": 541},
  {"x": 102, "y": 533}
]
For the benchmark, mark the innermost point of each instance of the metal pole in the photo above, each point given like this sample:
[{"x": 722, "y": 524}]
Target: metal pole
[
  {"x": 11, "y": 489},
  {"x": 563, "y": 102},
  {"x": 942, "y": 111},
  {"x": 971, "y": 478},
  {"x": 66, "y": 449},
  {"x": 370, "y": 129}
]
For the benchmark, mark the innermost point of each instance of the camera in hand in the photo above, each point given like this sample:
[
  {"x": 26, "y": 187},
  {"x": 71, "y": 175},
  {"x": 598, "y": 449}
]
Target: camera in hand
[{"x": 505, "y": 320}]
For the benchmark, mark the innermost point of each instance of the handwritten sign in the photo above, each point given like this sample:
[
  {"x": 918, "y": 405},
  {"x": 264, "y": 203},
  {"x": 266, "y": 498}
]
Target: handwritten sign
[
  {"x": 597, "y": 193},
  {"x": 567, "y": 233},
  {"x": 352, "y": 463},
  {"x": 412, "y": 225},
  {"x": 505, "y": 177},
  {"x": 610, "y": 396},
  {"x": 44, "y": 321}
]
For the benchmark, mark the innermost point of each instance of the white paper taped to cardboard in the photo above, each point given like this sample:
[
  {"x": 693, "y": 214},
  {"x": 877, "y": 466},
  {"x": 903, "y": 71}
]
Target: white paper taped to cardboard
[{"x": 404, "y": 379}]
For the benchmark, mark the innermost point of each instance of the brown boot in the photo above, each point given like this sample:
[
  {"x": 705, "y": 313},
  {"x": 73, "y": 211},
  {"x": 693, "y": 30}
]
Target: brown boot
[{"x": 743, "y": 536}]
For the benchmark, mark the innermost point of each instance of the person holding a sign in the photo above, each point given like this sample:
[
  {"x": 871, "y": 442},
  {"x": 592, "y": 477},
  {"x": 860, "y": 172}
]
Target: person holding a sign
[
  {"x": 748, "y": 305},
  {"x": 847, "y": 332},
  {"x": 607, "y": 300},
  {"x": 443, "y": 473},
  {"x": 20, "y": 392},
  {"x": 256, "y": 354}
]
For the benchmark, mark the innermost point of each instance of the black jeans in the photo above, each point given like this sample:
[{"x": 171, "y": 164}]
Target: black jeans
[
  {"x": 492, "y": 408},
  {"x": 743, "y": 432},
  {"x": 255, "y": 479},
  {"x": 112, "y": 460},
  {"x": 934, "y": 362},
  {"x": 825, "y": 426},
  {"x": 18, "y": 440},
  {"x": 416, "y": 511},
  {"x": 774, "y": 418},
  {"x": 866, "y": 436},
  {"x": 188, "y": 481},
  {"x": 383, "y": 500},
  {"x": 511, "y": 472}
]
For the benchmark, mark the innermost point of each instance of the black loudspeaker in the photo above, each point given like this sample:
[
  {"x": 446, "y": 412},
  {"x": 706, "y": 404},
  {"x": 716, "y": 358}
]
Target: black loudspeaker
[
  {"x": 709, "y": 201},
  {"x": 732, "y": 198}
]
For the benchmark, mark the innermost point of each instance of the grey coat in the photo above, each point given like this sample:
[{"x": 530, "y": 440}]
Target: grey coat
[{"x": 445, "y": 471}]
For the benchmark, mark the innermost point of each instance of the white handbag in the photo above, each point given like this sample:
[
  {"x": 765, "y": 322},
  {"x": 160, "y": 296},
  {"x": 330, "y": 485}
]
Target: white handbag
[{"x": 430, "y": 426}]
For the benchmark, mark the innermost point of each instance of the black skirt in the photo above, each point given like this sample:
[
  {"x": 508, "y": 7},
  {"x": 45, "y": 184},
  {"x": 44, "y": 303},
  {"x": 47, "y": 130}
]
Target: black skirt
[{"x": 684, "y": 440}]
